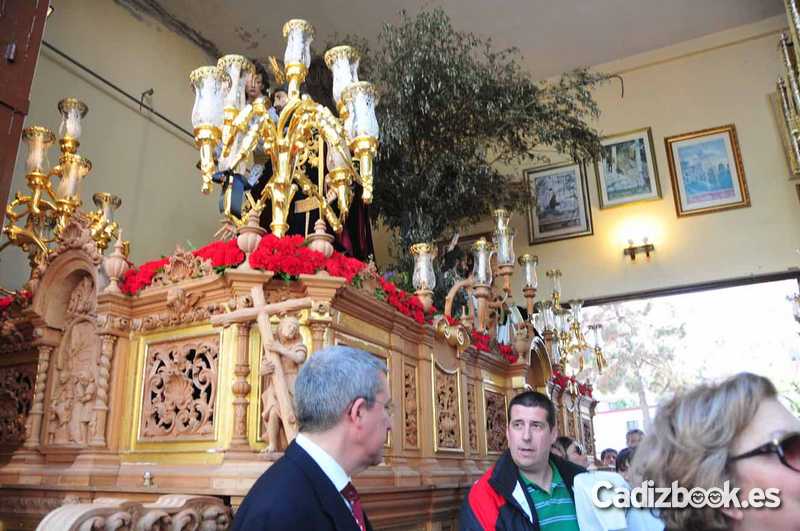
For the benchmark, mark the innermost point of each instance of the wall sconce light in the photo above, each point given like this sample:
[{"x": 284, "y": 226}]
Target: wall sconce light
[
  {"x": 631, "y": 250},
  {"x": 50, "y": 10}
]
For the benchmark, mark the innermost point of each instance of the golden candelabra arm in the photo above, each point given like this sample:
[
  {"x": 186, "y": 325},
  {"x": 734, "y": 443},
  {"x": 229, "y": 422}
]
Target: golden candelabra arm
[
  {"x": 295, "y": 73},
  {"x": 210, "y": 84},
  {"x": 102, "y": 225},
  {"x": 206, "y": 137},
  {"x": 36, "y": 221},
  {"x": 239, "y": 125},
  {"x": 600, "y": 360},
  {"x": 365, "y": 149}
]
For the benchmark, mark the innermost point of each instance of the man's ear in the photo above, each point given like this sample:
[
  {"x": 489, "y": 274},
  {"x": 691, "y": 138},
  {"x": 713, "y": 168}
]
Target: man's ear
[
  {"x": 553, "y": 435},
  {"x": 357, "y": 409}
]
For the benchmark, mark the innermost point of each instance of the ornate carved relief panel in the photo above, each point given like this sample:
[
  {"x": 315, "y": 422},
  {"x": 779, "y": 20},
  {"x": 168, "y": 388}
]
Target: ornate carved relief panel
[
  {"x": 71, "y": 418},
  {"x": 180, "y": 389},
  {"x": 495, "y": 404},
  {"x": 588, "y": 436},
  {"x": 570, "y": 411},
  {"x": 410, "y": 407},
  {"x": 447, "y": 409},
  {"x": 16, "y": 398},
  {"x": 472, "y": 417}
]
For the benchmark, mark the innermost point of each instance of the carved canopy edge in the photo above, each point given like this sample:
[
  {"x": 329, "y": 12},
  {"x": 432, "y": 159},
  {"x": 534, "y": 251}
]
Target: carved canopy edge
[{"x": 180, "y": 512}]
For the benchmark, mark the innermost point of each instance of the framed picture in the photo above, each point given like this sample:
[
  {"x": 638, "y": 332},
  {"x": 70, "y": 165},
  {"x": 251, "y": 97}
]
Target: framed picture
[
  {"x": 559, "y": 203},
  {"x": 706, "y": 171},
  {"x": 627, "y": 171}
]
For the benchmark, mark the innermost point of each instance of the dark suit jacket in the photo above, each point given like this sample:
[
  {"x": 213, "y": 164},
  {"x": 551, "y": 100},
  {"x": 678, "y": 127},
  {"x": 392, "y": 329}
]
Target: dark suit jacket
[{"x": 294, "y": 494}]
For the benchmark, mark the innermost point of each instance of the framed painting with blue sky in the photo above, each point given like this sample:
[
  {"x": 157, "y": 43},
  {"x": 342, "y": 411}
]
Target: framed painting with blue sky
[
  {"x": 706, "y": 171},
  {"x": 627, "y": 171},
  {"x": 559, "y": 203}
]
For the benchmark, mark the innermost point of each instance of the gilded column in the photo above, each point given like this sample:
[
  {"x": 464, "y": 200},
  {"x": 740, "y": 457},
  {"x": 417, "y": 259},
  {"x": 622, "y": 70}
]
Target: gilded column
[
  {"x": 791, "y": 125},
  {"x": 241, "y": 386},
  {"x": 107, "y": 343},
  {"x": 318, "y": 322},
  {"x": 794, "y": 26},
  {"x": 791, "y": 75},
  {"x": 37, "y": 408}
]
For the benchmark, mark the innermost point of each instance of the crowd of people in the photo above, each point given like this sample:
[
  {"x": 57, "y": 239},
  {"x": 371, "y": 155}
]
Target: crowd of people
[
  {"x": 731, "y": 448},
  {"x": 733, "y": 437}
]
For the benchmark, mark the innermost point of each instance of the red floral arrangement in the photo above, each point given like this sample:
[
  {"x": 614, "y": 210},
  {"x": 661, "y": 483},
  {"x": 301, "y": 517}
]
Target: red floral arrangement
[
  {"x": 406, "y": 303},
  {"x": 21, "y": 298},
  {"x": 480, "y": 341},
  {"x": 285, "y": 256},
  {"x": 222, "y": 254},
  {"x": 5, "y": 302},
  {"x": 452, "y": 321},
  {"x": 585, "y": 389},
  {"x": 339, "y": 265},
  {"x": 508, "y": 353},
  {"x": 562, "y": 380}
]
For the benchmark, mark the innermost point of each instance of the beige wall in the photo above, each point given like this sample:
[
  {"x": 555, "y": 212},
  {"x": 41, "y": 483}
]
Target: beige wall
[
  {"x": 147, "y": 162},
  {"x": 719, "y": 79}
]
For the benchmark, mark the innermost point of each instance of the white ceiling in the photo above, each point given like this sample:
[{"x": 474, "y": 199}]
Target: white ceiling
[{"x": 553, "y": 35}]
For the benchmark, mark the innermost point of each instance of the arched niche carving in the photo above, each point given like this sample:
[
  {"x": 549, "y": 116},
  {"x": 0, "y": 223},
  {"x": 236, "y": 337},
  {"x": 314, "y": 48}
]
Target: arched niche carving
[
  {"x": 66, "y": 300},
  {"x": 540, "y": 370},
  {"x": 51, "y": 298}
]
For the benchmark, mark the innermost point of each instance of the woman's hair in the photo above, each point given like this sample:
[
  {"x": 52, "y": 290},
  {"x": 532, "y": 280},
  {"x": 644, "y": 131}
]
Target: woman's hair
[
  {"x": 690, "y": 443},
  {"x": 564, "y": 443},
  {"x": 608, "y": 451},
  {"x": 262, "y": 71},
  {"x": 624, "y": 458}
]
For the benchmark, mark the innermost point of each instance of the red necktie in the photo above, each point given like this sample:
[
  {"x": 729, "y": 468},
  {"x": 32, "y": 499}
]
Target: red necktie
[{"x": 351, "y": 495}]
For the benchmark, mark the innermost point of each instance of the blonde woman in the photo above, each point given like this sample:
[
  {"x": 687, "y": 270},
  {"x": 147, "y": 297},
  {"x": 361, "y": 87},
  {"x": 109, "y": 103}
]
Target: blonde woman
[{"x": 736, "y": 432}]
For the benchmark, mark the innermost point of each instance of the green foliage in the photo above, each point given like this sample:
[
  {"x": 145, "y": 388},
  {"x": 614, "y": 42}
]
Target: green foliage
[{"x": 452, "y": 111}]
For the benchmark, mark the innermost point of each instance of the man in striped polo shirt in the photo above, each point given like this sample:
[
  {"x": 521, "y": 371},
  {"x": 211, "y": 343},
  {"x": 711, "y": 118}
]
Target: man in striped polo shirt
[{"x": 527, "y": 489}]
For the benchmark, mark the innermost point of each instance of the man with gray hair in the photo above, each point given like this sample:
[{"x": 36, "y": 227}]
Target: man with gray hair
[{"x": 343, "y": 409}]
